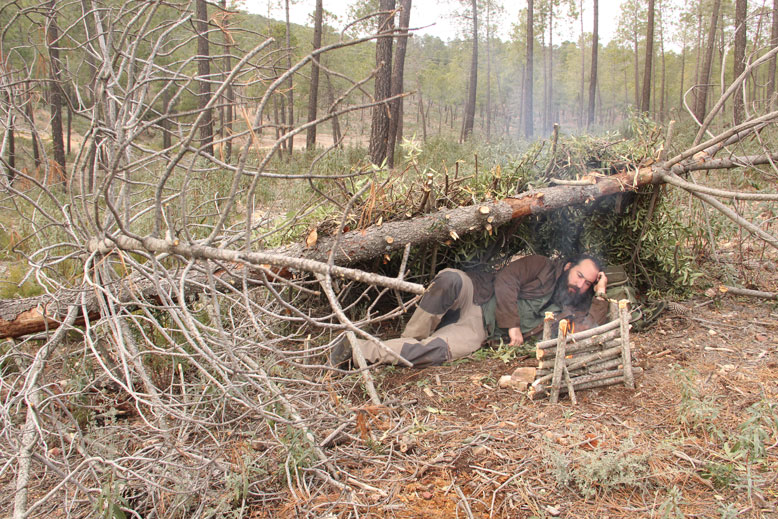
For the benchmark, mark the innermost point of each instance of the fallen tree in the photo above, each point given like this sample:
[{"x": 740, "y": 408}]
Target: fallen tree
[
  {"x": 150, "y": 401},
  {"x": 25, "y": 316}
]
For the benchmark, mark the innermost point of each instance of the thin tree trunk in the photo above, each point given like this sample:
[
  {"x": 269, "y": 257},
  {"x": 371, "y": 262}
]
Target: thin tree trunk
[
  {"x": 701, "y": 99},
  {"x": 313, "y": 96},
  {"x": 69, "y": 124},
  {"x": 336, "y": 135},
  {"x": 739, "y": 59},
  {"x": 637, "y": 57},
  {"x": 593, "y": 73},
  {"x": 469, "y": 116},
  {"x": 770, "y": 93},
  {"x": 204, "y": 73},
  {"x": 379, "y": 128},
  {"x": 395, "y": 121},
  {"x": 581, "y": 95},
  {"x": 55, "y": 94},
  {"x": 549, "y": 108},
  {"x": 229, "y": 97},
  {"x": 488, "y": 72},
  {"x": 662, "y": 90},
  {"x": 683, "y": 70},
  {"x": 647, "y": 83},
  {"x": 529, "y": 128},
  {"x": 289, "y": 83},
  {"x": 33, "y": 132}
]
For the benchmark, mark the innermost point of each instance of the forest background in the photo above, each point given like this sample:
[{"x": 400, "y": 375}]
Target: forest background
[{"x": 199, "y": 202}]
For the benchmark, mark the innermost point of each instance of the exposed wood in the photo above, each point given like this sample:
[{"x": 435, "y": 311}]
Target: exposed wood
[
  {"x": 559, "y": 361},
  {"x": 751, "y": 293}
]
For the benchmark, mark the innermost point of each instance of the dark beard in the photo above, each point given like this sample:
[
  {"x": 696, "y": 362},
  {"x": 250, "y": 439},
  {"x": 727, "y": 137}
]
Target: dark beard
[{"x": 565, "y": 299}]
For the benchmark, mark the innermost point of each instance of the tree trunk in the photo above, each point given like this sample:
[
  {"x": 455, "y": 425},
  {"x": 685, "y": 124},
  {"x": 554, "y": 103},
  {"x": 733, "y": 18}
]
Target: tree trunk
[
  {"x": 637, "y": 60},
  {"x": 529, "y": 128},
  {"x": 424, "y": 118},
  {"x": 69, "y": 123},
  {"x": 647, "y": 83},
  {"x": 701, "y": 99},
  {"x": 770, "y": 94},
  {"x": 33, "y": 132},
  {"x": 739, "y": 61},
  {"x": 683, "y": 69},
  {"x": 469, "y": 116},
  {"x": 204, "y": 74},
  {"x": 395, "y": 121},
  {"x": 165, "y": 122},
  {"x": 313, "y": 96},
  {"x": 662, "y": 90},
  {"x": 336, "y": 135},
  {"x": 229, "y": 96},
  {"x": 593, "y": 73},
  {"x": 581, "y": 94},
  {"x": 488, "y": 72},
  {"x": 55, "y": 93},
  {"x": 290, "y": 83},
  {"x": 549, "y": 108},
  {"x": 379, "y": 129}
]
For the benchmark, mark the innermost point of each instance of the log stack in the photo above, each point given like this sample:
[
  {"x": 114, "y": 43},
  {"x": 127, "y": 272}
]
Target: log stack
[{"x": 571, "y": 362}]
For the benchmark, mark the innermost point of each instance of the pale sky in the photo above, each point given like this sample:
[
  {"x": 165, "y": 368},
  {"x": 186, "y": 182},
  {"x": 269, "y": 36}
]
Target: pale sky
[{"x": 438, "y": 16}]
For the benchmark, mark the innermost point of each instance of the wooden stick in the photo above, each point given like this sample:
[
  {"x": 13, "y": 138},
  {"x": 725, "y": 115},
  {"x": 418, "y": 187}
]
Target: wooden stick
[
  {"x": 582, "y": 380},
  {"x": 545, "y": 375},
  {"x": 366, "y": 376},
  {"x": 581, "y": 345},
  {"x": 560, "y": 361},
  {"x": 626, "y": 353},
  {"x": 581, "y": 361},
  {"x": 613, "y": 310},
  {"x": 751, "y": 293},
  {"x": 570, "y": 389},
  {"x": 548, "y": 322},
  {"x": 540, "y": 393},
  {"x": 543, "y": 345}
]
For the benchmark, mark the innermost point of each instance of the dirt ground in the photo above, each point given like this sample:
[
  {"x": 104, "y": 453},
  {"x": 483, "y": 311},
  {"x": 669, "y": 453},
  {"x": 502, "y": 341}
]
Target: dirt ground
[{"x": 697, "y": 438}]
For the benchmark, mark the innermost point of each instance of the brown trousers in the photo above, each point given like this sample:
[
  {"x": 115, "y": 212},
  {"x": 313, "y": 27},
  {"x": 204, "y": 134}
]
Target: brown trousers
[{"x": 446, "y": 325}]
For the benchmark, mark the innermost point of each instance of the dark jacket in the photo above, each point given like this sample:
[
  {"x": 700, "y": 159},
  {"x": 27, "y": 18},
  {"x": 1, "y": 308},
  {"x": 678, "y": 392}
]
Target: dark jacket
[{"x": 531, "y": 277}]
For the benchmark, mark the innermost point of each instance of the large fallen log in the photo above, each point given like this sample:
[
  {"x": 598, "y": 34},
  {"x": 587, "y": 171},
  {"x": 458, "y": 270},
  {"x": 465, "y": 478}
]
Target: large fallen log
[{"x": 32, "y": 315}]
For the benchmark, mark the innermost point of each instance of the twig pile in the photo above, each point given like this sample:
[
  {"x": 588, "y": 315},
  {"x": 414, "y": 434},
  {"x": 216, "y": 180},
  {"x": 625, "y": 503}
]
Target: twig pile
[{"x": 601, "y": 356}]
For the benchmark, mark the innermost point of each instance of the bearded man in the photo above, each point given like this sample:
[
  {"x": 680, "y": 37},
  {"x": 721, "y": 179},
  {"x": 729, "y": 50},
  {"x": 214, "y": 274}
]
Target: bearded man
[{"x": 460, "y": 311}]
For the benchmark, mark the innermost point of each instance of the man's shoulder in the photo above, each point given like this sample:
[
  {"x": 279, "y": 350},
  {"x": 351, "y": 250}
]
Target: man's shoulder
[{"x": 536, "y": 260}]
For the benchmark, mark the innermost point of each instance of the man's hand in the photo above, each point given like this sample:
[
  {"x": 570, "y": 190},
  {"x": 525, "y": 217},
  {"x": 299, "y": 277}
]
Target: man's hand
[
  {"x": 517, "y": 339},
  {"x": 602, "y": 283}
]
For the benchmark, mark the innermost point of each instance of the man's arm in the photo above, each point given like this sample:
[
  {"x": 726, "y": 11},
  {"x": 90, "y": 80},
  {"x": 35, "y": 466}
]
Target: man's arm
[{"x": 507, "y": 287}]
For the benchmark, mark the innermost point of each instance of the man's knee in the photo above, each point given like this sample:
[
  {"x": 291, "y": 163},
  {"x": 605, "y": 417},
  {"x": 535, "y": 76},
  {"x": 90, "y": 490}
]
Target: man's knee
[
  {"x": 434, "y": 353},
  {"x": 442, "y": 293}
]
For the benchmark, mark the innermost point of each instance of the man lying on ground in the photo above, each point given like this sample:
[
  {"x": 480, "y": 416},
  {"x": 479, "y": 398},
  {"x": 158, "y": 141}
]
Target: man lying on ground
[{"x": 460, "y": 311}]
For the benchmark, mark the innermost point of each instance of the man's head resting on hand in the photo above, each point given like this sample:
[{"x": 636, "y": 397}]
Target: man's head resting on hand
[{"x": 575, "y": 286}]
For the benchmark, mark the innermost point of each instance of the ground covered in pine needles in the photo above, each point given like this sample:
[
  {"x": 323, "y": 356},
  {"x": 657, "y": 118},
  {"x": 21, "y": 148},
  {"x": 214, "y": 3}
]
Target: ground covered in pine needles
[{"x": 698, "y": 438}]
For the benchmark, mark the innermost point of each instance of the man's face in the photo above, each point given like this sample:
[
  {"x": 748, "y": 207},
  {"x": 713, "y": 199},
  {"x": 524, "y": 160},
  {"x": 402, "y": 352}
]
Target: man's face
[
  {"x": 581, "y": 277},
  {"x": 573, "y": 289}
]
